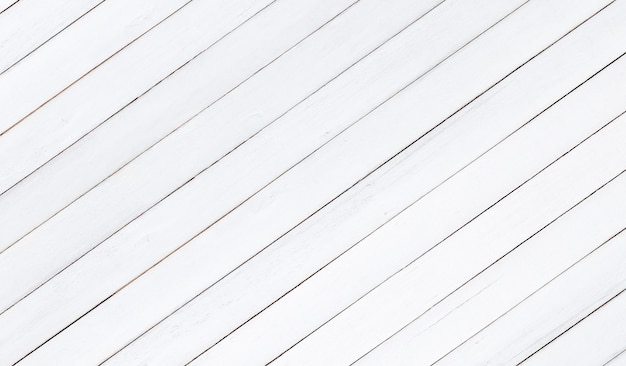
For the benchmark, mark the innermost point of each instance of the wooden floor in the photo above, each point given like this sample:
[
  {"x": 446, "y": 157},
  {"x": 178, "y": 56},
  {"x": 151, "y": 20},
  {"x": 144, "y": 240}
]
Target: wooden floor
[{"x": 312, "y": 182}]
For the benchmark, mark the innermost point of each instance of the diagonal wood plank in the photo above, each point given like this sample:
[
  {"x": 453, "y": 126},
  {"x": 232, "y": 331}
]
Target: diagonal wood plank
[
  {"x": 379, "y": 313},
  {"x": 265, "y": 278},
  {"x": 312, "y": 182},
  {"x": 618, "y": 359},
  {"x": 105, "y": 88},
  {"x": 360, "y": 135},
  {"x": 179, "y": 99},
  {"x": 32, "y": 23},
  {"x": 600, "y": 337},
  {"x": 568, "y": 304},
  {"x": 72, "y": 54},
  {"x": 7, "y": 4},
  {"x": 351, "y": 80},
  {"x": 502, "y": 286},
  {"x": 89, "y": 231}
]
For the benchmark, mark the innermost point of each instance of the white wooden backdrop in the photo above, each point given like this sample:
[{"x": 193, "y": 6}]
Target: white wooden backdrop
[{"x": 312, "y": 182}]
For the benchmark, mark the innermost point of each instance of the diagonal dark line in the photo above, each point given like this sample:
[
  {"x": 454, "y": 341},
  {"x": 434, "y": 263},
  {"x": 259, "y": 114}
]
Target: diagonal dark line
[
  {"x": 99, "y": 64},
  {"x": 614, "y": 357},
  {"x": 516, "y": 69},
  {"x": 137, "y": 156},
  {"x": 141, "y": 95},
  {"x": 47, "y": 40},
  {"x": 573, "y": 325},
  {"x": 181, "y": 186},
  {"x": 295, "y": 344},
  {"x": 268, "y": 183},
  {"x": 9, "y": 7},
  {"x": 578, "y": 144},
  {"x": 177, "y": 128},
  {"x": 290, "y": 229},
  {"x": 535, "y": 291},
  {"x": 57, "y": 333}
]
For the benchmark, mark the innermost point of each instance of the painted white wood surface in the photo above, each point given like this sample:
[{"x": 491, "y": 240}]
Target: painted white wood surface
[
  {"x": 50, "y": 182},
  {"x": 570, "y": 297},
  {"x": 618, "y": 359},
  {"x": 5, "y": 4},
  {"x": 31, "y": 23},
  {"x": 394, "y": 246},
  {"x": 163, "y": 109},
  {"x": 167, "y": 211},
  {"x": 72, "y": 54},
  {"x": 333, "y": 231},
  {"x": 507, "y": 282},
  {"x": 213, "y": 138},
  {"x": 313, "y": 182},
  {"x": 151, "y": 250},
  {"x": 125, "y": 75},
  {"x": 600, "y": 336}
]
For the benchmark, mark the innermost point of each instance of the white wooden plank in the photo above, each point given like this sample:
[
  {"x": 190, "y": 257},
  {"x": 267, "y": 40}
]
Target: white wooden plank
[
  {"x": 164, "y": 305},
  {"x": 176, "y": 100},
  {"x": 333, "y": 63},
  {"x": 502, "y": 286},
  {"x": 31, "y": 23},
  {"x": 301, "y": 252},
  {"x": 601, "y": 336},
  {"x": 73, "y": 53},
  {"x": 379, "y": 313},
  {"x": 559, "y": 305},
  {"x": 76, "y": 229},
  {"x": 111, "y": 86},
  {"x": 6, "y": 4},
  {"x": 617, "y": 360},
  {"x": 280, "y": 324}
]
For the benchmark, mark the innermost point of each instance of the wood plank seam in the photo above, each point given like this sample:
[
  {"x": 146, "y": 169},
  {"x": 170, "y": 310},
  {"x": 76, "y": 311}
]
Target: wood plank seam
[
  {"x": 359, "y": 181},
  {"x": 192, "y": 117},
  {"x": 414, "y": 260},
  {"x": 192, "y": 178},
  {"x": 466, "y": 105},
  {"x": 574, "y": 325},
  {"x": 310, "y": 155},
  {"x": 342, "y": 72},
  {"x": 9, "y": 7},
  {"x": 233, "y": 149},
  {"x": 93, "y": 68},
  {"x": 181, "y": 186},
  {"x": 430, "y": 132},
  {"x": 546, "y": 167},
  {"x": 181, "y": 125},
  {"x": 56, "y": 117},
  {"x": 341, "y": 254},
  {"x": 171, "y": 132},
  {"x": 47, "y": 40},
  {"x": 412, "y": 82},
  {"x": 615, "y": 357},
  {"x": 517, "y": 246},
  {"x": 538, "y": 289}
]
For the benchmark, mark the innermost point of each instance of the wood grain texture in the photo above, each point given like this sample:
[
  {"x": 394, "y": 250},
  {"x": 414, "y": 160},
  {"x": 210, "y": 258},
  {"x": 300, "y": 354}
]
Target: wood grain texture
[
  {"x": 598, "y": 338},
  {"x": 73, "y": 54},
  {"x": 6, "y": 4},
  {"x": 347, "y": 336},
  {"x": 32, "y": 23},
  {"x": 571, "y": 297},
  {"x": 94, "y": 96},
  {"x": 211, "y": 182},
  {"x": 182, "y": 97}
]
